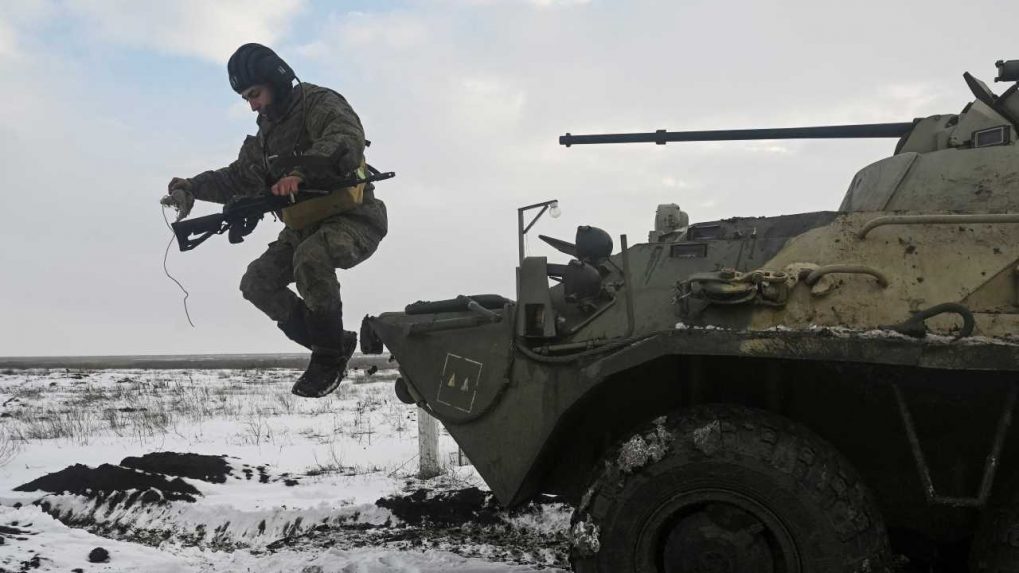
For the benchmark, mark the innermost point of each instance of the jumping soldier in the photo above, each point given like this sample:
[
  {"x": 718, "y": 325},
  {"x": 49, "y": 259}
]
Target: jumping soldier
[{"x": 310, "y": 137}]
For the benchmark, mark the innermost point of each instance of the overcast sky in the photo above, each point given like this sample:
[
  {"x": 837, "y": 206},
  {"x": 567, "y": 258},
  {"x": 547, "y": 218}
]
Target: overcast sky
[{"x": 104, "y": 101}]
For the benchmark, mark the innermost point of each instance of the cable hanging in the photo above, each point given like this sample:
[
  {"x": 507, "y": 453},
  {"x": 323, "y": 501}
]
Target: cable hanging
[{"x": 166, "y": 254}]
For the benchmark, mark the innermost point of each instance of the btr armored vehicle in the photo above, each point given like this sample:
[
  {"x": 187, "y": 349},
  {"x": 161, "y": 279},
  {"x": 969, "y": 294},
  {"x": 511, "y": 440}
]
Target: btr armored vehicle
[{"x": 816, "y": 393}]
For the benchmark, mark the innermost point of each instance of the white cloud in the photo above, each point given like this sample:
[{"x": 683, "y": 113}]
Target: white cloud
[
  {"x": 18, "y": 18},
  {"x": 394, "y": 30},
  {"x": 767, "y": 147},
  {"x": 554, "y": 3},
  {"x": 673, "y": 183},
  {"x": 8, "y": 41},
  {"x": 899, "y": 102},
  {"x": 486, "y": 103},
  {"x": 539, "y": 3},
  {"x": 240, "y": 110},
  {"x": 892, "y": 103},
  {"x": 27, "y": 11},
  {"x": 208, "y": 30}
]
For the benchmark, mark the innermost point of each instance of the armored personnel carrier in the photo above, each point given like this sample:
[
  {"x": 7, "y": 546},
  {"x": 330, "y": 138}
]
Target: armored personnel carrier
[{"x": 817, "y": 393}]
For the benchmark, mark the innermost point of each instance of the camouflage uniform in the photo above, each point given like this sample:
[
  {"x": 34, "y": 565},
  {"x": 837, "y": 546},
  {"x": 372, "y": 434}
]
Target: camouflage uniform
[{"x": 317, "y": 123}]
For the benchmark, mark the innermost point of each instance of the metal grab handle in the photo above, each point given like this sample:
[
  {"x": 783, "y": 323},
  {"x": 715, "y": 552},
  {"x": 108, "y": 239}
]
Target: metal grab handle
[
  {"x": 937, "y": 220},
  {"x": 816, "y": 274},
  {"x": 475, "y": 307},
  {"x": 916, "y": 326},
  {"x": 445, "y": 324},
  {"x": 990, "y": 463}
]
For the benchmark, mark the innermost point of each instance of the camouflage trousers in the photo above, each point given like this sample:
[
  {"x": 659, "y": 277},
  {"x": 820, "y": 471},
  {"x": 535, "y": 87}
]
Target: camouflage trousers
[{"x": 308, "y": 257}]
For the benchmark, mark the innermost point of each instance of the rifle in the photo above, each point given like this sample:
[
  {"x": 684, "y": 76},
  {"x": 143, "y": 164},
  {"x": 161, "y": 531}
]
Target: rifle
[{"x": 240, "y": 216}]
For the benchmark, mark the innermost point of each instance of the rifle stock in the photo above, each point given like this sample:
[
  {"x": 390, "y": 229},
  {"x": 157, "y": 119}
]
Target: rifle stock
[{"x": 193, "y": 232}]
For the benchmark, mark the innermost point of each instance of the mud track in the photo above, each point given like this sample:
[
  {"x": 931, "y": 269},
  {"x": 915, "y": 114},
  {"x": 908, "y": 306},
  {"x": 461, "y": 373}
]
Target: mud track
[{"x": 465, "y": 521}]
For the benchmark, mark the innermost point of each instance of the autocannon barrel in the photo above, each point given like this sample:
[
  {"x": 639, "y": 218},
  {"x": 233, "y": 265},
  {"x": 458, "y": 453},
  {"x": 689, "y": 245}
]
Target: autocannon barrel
[{"x": 661, "y": 137}]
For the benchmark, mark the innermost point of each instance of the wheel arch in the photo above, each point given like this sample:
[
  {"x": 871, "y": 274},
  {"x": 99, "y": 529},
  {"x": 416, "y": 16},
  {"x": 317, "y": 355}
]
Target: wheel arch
[
  {"x": 620, "y": 402},
  {"x": 851, "y": 405}
]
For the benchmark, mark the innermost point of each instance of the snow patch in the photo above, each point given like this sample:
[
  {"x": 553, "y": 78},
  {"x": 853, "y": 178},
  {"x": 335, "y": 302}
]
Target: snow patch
[
  {"x": 45, "y": 544},
  {"x": 639, "y": 450},
  {"x": 282, "y": 484},
  {"x": 873, "y": 334},
  {"x": 584, "y": 538},
  {"x": 708, "y": 438}
]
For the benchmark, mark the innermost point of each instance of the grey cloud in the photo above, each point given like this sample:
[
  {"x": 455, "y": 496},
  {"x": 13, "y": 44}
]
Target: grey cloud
[{"x": 466, "y": 103}]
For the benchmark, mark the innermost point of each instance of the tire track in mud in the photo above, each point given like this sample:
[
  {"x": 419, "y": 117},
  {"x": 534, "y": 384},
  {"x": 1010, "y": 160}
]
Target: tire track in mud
[
  {"x": 119, "y": 502},
  {"x": 467, "y": 522}
]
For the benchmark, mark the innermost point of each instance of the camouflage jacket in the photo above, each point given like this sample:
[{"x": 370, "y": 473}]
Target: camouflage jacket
[{"x": 318, "y": 123}]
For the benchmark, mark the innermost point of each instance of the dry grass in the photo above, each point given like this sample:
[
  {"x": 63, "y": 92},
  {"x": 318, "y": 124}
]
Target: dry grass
[
  {"x": 80, "y": 406},
  {"x": 8, "y": 447}
]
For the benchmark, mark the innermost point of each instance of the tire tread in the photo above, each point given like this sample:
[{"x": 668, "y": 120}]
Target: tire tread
[{"x": 736, "y": 433}]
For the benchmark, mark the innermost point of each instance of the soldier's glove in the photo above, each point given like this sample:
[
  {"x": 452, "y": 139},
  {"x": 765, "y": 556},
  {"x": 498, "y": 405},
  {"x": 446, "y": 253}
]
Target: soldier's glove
[{"x": 179, "y": 197}]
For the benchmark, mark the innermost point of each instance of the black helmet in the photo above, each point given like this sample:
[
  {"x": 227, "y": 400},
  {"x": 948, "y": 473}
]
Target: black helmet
[{"x": 254, "y": 64}]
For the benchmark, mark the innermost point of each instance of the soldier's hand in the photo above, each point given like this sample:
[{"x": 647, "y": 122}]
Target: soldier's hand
[
  {"x": 286, "y": 186},
  {"x": 178, "y": 183},
  {"x": 179, "y": 197}
]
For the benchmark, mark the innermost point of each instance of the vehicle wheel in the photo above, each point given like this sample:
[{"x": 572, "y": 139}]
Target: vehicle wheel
[{"x": 727, "y": 489}]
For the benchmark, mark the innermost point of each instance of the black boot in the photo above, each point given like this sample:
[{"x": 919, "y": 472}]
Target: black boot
[
  {"x": 349, "y": 343},
  {"x": 331, "y": 349},
  {"x": 296, "y": 326},
  {"x": 324, "y": 374}
]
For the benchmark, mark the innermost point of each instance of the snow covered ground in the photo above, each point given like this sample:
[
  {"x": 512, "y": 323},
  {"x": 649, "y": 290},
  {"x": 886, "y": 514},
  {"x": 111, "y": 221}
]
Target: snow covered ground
[{"x": 225, "y": 470}]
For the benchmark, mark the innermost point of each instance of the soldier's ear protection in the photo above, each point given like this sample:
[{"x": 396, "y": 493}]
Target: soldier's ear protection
[{"x": 275, "y": 68}]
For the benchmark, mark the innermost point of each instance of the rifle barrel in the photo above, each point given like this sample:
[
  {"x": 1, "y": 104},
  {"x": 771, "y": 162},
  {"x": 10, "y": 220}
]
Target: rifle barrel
[{"x": 661, "y": 137}]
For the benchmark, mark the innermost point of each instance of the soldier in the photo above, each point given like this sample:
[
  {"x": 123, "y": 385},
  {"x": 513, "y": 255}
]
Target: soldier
[{"x": 307, "y": 136}]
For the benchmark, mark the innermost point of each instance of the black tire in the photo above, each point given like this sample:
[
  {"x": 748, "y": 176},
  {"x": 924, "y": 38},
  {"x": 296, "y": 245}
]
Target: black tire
[{"x": 728, "y": 489}]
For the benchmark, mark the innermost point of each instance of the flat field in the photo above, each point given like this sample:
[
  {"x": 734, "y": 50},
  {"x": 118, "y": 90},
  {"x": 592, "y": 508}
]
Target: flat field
[{"x": 197, "y": 469}]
